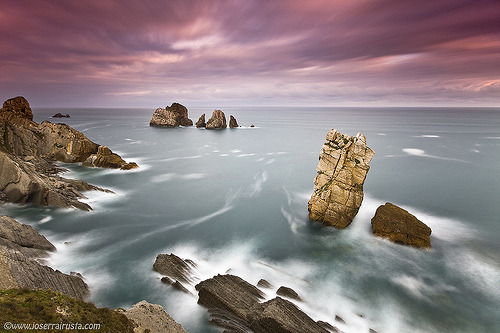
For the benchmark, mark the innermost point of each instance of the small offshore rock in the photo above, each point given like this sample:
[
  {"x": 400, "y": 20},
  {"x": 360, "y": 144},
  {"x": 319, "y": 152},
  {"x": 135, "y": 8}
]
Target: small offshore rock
[
  {"x": 201, "y": 121},
  {"x": 288, "y": 292},
  {"x": 399, "y": 226},
  {"x": 60, "y": 115},
  {"x": 173, "y": 267},
  {"x": 217, "y": 121},
  {"x": 232, "y": 122},
  {"x": 252, "y": 125},
  {"x": 264, "y": 284},
  {"x": 341, "y": 172},
  {"x": 171, "y": 116},
  {"x": 339, "y": 319}
]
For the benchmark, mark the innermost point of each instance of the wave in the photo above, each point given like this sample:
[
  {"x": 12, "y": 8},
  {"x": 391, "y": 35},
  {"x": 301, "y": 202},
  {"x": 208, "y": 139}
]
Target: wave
[
  {"x": 179, "y": 158},
  {"x": 245, "y": 155},
  {"x": 167, "y": 177},
  {"x": 421, "y": 153}
]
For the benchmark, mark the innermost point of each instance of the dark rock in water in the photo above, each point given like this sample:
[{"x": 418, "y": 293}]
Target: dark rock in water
[
  {"x": 339, "y": 319},
  {"x": 328, "y": 326},
  {"x": 279, "y": 315},
  {"x": 201, "y": 121},
  {"x": 174, "y": 283},
  {"x": 288, "y": 292},
  {"x": 17, "y": 107},
  {"x": 228, "y": 292},
  {"x": 217, "y": 121},
  {"x": 20, "y": 246},
  {"x": 341, "y": 172},
  {"x": 105, "y": 158},
  {"x": 372, "y": 331},
  {"x": 232, "y": 122},
  {"x": 399, "y": 226},
  {"x": 252, "y": 125},
  {"x": 264, "y": 284},
  {"x": 173, "y": 267},
  {"x": 235, "y": 305},
  {"x": 60, "y": 115},
  {"x": 171, "y": 116}
]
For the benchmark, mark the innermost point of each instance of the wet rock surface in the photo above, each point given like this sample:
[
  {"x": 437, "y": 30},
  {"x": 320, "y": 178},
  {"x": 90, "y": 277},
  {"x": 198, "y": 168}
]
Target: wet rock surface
[
  {"x": 341, "y": 172},
  {"x": 399, "y": 226}
]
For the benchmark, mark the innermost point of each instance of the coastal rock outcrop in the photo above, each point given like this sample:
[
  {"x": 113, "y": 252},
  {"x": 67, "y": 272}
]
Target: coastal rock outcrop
[
  {"x": 232, "y": 122},
  {"x": 288, "y": 292},
  {"x": 177, "y": 271},
  {"x": 171, "y": 116},
  {"x": 20, "y": 246},
  {"x": 341, "y": 172},
  {"x": 217, "y": 121},
  {"x": 148, "y": 317},
  {"x": 399, "y": 226},
  {"x": 201, "y": 121},
  {"x": 17, "y": 107},
  {"x": 60, "y": 115},
  {"x": 105, "y": 158},
  {"x": 236, "y": 305}
]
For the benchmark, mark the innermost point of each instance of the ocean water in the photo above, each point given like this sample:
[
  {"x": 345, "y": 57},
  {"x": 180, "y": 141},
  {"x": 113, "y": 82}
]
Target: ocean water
[{"x": 236, "y": 201}]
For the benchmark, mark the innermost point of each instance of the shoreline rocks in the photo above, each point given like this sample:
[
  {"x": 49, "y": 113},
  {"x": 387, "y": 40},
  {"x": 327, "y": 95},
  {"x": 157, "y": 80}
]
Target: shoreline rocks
[
  {"x": 174, "y": 115},
  {"x": 401, "y": 227},
  {"x": 217, "y": 121},
  {"x": 20, "y": 247},
  {"x": 338, "y": 185},
  {"x": 152, "y": 318}
]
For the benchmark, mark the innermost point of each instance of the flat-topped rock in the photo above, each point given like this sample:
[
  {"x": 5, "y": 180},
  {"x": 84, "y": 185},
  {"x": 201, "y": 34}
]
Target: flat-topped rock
[
  {"x": 217, "y": 121},
  {"x": 201, "y": 121},
  {"x": 341, "y": 172},
  {"x": 399, "y": 226},
  {"x": 152, "y": 318},
  {"x": 171, "y": 116},
  {"x": 232, "y": 122}
]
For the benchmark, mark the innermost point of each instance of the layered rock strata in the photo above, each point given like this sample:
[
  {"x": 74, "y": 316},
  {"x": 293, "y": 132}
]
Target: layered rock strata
[
  {"x": 341, "y": 172},
  {"x": 201, "y": 121},
  {"x": 399, "y": 226},
  {"x": 171, "y": 116},
  {"x": 176, "y": 271},
  {"x": 148, "y": 317},
  {"x": 20, "y": 246},
  {"x": 232, "y": 122},
  {"x": 217, "y": 121}
]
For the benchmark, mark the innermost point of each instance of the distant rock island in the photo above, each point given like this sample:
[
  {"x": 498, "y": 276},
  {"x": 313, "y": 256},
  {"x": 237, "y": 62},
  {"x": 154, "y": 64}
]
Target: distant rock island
[
  {"x": 27, "y": 153},
  {"x": 341, "y": 172},
  {"x": 60, "y": 115},
  {"x": 174, "y": 115}
]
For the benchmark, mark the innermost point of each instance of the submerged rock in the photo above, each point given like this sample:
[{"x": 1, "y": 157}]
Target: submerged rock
[
  {"x": 152, "y": 318},
  {"x": 341, "y": 172},
  {"x": 288, "y": 292},
  {"x": 399, "y": 226},
  {"x": 201, "y": 121},
  {"x": 217, "y": 121},
  {"x": 171, "y": 116},
  {"x": 60, "y": 115},
  {"x": 232, "y": 122},
  {"x": 20, "y": 246}
]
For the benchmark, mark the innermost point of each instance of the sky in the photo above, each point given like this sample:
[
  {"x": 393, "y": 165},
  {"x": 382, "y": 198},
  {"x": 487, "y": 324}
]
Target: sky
[{"x": 251, "y": 53}]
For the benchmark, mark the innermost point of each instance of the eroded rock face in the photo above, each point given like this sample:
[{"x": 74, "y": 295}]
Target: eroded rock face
[
  {"x": 20, "y": 246},
  {"x": 105, "y": 158},
  {"x": 399, "y": 226},
  {"x": 341, "y": 172},
  {"x": 232, "y": 122},
  {"x": 171, "y": 116},
  {"x": 201, "y": 121},
  {"x": 152, "y": 318},
  {"x": 17, "y": 107},
  {"x": 217, "y": 121}
]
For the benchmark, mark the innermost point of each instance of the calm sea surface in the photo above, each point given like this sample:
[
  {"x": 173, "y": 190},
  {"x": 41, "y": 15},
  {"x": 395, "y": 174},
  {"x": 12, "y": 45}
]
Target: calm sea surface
[{"x": 237, "y": 200}]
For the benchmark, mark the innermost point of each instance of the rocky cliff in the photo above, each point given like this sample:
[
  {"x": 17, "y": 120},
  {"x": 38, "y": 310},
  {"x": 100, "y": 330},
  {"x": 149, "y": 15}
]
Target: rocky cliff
[
  {"x": 20, "y": 247},
  {"x": 399, "y": 226},
  {"x": 341, "y": 172},
  {"x": 217, "y": 121},
  {"x": 171, "y": 116}
]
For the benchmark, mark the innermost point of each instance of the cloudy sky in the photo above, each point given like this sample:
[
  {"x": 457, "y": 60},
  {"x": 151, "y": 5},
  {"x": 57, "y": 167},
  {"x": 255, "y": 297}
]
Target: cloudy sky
[{"x": 251, "y": 52}]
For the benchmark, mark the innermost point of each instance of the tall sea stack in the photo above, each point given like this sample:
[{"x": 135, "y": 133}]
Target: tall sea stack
[{"x": 341, "y": 172}]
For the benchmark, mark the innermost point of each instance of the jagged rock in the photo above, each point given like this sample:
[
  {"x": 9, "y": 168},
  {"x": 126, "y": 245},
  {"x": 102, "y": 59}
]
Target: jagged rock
[
  {"x": 60, "y": 115},
  {"x": 264, "y": 284},
  {"x": 288, "y": 292},
  {"x": 399, "y": 226},
  {"x": 17, "y": 107},
  {"x": 19, "y": 269},
  {"x": 105, "y": 158},
  {"x": 217, "y": 121},
  {"x": 232, "y": 122},
  {"x": 235, "y": 305},
  {"x": 341, "y": 172},
  {"x": 152, "y": 318},
  {"x": 201, "y": 121},
  {"x": 171, "y": 116},
  {"x": 174, "y": 267}
]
